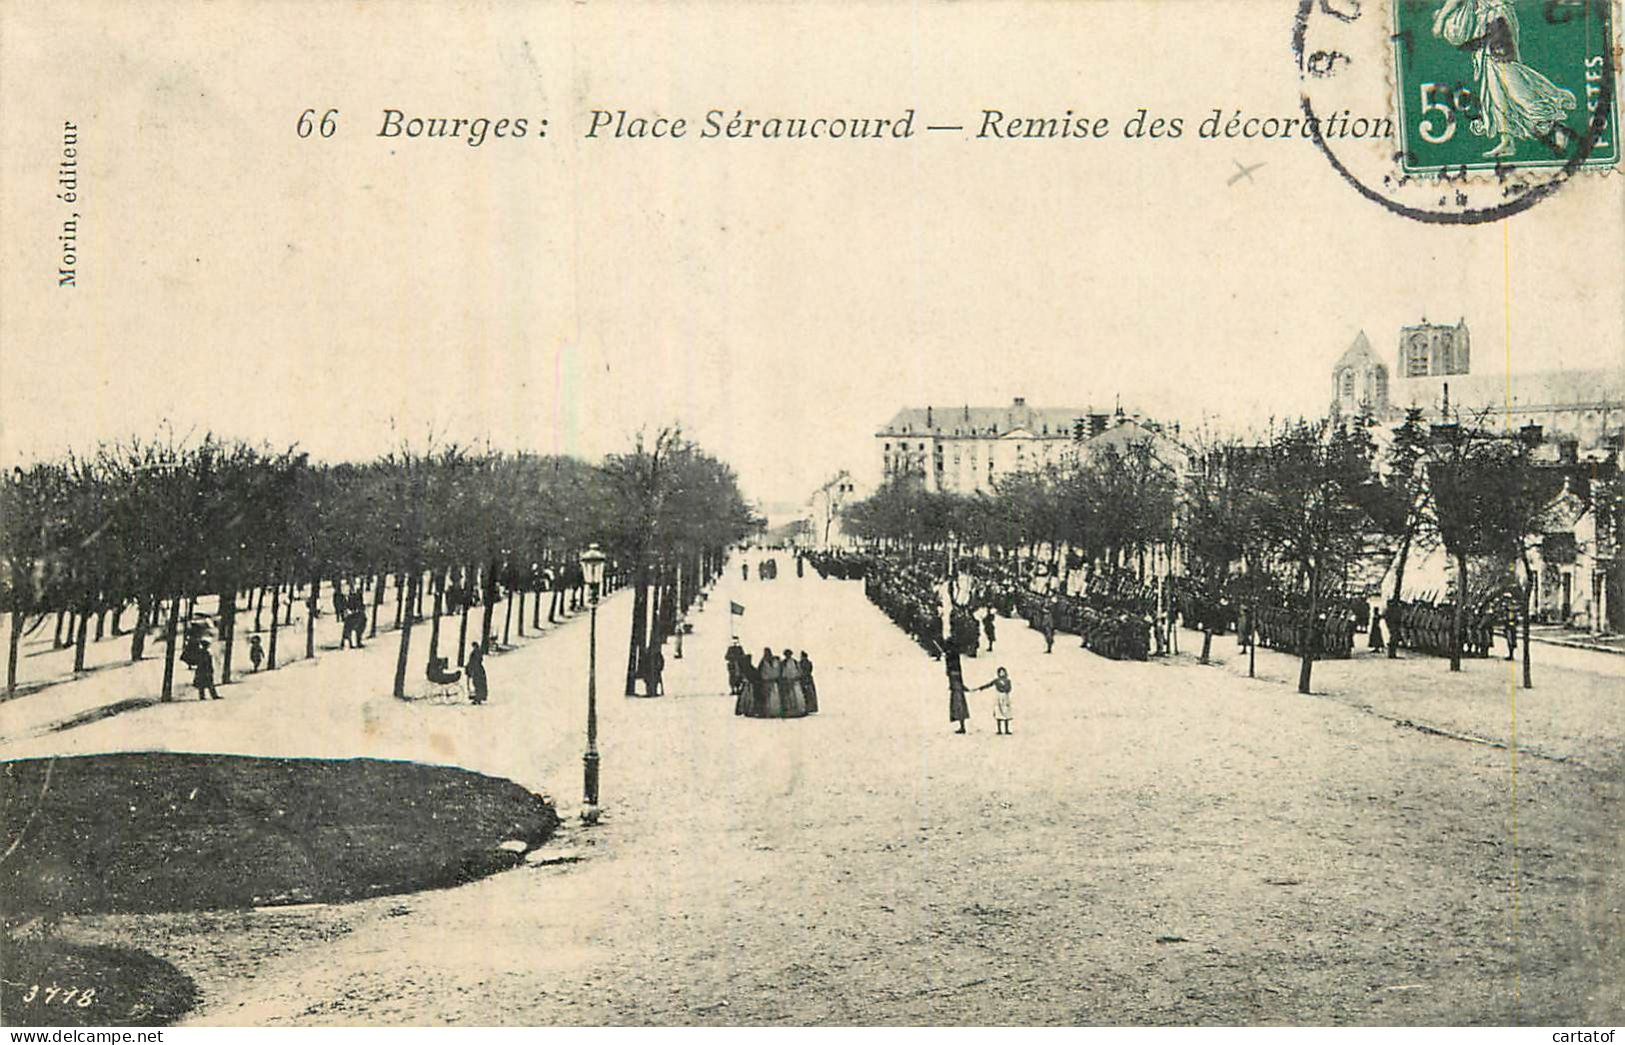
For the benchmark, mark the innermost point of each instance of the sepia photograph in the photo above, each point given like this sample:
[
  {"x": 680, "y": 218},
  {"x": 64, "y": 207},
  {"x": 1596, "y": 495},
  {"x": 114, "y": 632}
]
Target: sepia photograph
[{"x": 910, "y": 513}]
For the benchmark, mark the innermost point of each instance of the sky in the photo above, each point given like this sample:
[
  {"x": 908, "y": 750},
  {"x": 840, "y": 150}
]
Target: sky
[{"x": 779, "y": 300}]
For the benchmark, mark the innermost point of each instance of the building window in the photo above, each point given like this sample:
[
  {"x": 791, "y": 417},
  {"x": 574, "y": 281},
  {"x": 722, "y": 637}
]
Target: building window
[
  {"x": 1416, "y": 358},
  {"x": 1345, "y": 384}
]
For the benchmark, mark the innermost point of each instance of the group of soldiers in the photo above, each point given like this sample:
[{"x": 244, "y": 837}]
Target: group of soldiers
[
  {"x": 1287, "y": 628},
  {"x": 1424, "y": 626},
  {"x": 907, "y": 595},
  {"x": 1114, "y": 630}
]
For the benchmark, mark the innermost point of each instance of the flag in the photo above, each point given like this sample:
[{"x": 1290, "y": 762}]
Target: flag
[{"x": 736, "y": 609}]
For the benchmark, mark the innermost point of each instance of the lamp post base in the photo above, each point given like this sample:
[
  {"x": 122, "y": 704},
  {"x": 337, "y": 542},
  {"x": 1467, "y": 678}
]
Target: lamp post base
[{"x": 589, "y": 763}]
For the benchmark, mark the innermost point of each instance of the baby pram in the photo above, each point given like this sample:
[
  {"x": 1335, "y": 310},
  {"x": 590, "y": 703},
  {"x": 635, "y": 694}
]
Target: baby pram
[{"x": 446, "y": 684}]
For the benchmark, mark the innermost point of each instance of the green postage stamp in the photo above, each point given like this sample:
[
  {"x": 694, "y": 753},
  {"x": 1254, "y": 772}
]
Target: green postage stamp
[{"x": 1497, "y": 84}]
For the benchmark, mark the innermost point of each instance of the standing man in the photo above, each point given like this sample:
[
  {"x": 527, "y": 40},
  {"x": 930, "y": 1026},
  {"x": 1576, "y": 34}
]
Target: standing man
[{"x": 474, "y": 671}]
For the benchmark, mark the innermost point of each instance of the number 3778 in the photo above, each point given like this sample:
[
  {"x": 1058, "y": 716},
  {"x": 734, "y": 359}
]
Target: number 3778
[{"x": 1442, "y": 104}]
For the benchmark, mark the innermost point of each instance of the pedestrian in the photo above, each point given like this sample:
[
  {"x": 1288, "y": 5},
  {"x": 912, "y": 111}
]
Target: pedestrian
[
  {"x": 256, "y": 652},
  {"x": 808, "y": 686},
  {"x": 474, "y": 672},
  {"x": 958, "y": 706},
  {"x": 1511, "y": 631},
  {"x": 1375, "y": 640},
  {"x": 1001, "y": 701},
  {"x": 1047, "y": 623},
  {"x": 655, "y": 684},
  {"x": 769, "y": 704},
  {"x": 989, "y": 628},
  {"x": 203, "y": 671},
  {"x": 744, "y": 571},
  {"x": 731, "y": 657},
  {"x": 791, "y": 696}
]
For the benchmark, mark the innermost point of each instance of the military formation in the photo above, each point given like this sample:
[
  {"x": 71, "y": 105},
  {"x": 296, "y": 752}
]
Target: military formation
[
  {"x": 1122, "y": 616},
  {"x": 1423, "y": 626}
]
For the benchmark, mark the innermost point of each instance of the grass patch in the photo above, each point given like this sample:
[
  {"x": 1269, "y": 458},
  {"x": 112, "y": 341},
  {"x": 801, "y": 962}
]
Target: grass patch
[
  {"x": 150, "y": 831},
  {"x": 55, "y": 984}
]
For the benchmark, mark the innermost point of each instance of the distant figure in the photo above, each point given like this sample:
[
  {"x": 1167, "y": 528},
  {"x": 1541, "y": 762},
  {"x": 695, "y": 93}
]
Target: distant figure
[
  {"x": 474, "y": 670},
  {"x": 1001, "y": 703},
  {"x": 798, "y": 566},
  {"x": 808, "y": 686},
  {"x": 1047, "y": 625},
  {"x": 203, "y": 671},
  {"x": 989, "y": 628},
  {"x": 744, "y": 571},
  {"x": 1375, "y": 639},
  {"x": 256, "y": 652}
]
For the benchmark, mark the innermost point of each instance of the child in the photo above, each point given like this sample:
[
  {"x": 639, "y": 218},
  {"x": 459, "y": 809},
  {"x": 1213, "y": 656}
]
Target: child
[
  {"x": 1001, "y": 703},
  {"x": 256, "y": 652}
]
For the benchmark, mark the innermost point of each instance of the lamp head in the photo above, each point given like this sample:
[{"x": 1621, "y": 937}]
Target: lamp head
[{"x": 592, "y": 566}]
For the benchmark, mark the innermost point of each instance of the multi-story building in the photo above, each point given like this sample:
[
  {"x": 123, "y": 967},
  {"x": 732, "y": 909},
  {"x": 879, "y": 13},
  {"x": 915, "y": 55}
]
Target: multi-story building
[
  {"x": 964, "y": 449},
  {"x": 824, "y": 507}
]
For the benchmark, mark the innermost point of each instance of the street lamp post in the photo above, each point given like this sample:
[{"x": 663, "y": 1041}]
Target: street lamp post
[{"x": 592, "y": 570}]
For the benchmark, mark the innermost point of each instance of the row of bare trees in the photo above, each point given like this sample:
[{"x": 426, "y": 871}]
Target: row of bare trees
[{"x": 150, "y": 527}]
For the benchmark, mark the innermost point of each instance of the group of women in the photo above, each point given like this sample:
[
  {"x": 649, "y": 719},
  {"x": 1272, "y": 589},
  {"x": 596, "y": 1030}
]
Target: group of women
[{"x": 772, "y": 687}]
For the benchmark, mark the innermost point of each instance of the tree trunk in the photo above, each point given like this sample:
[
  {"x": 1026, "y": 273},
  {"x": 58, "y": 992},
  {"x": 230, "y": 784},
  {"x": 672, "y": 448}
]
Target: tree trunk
[
  {"x": 1399, "y": 590},
  {"x": 488, "y": 598},
  {"x": 168, "y": 691},
  {"x": 1523, "y": 621},
  {"x": 1456, "y": 607},
  {"x": 101, "y": 624},
  {"x": 507, "y": 619},
  {"x": 439, "y": 581},
  {"x": 640, "y": 609},
  {"x": 117, "y": 622},
  {"x": 259, "y": 604},
  {"x": 228, "y": 631},
  {"x": 81, "y": 637},
  {"x": 462, "y": 626},
  {"x": 400, "y": 596},
  {"x": 270, "y": 653},
  {"x": 56, "y": 640},
  {"x": 287, "y": 606},
  {"x": 377, "y": 603},
  {"x": 1207, "y": 643},
  {"x": 12, "y": 644},
  {"x": 144, "y": 610},
  {"x": 521, "y": 611},
  {"x": 406, "y": 638},
  {"x": 1307, "y": 654},
  {"x": 311, "y": 605}
]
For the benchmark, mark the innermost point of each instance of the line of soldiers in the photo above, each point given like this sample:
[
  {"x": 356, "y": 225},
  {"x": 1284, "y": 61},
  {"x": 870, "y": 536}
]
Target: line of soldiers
[
  {"x": 1119, "y": 632},
  {"x": 1424, "y": 626},
  {"x": 1287, "y": 629},
  {"x": 907, "y": 595}
]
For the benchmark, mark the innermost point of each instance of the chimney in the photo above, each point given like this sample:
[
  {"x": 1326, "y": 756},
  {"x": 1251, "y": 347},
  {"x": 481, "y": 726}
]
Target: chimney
[
  {"x": 928, "y": 422},
  {"x": 1021, "y": 401}
]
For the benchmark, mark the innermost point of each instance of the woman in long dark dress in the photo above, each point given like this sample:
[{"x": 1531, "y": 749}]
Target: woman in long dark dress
[
  {"x": 809, "y": 688},
  {"x": 768, "y": 702},
  {"x": 792, "y": 704},
  {"x": 958, "y": 706}
]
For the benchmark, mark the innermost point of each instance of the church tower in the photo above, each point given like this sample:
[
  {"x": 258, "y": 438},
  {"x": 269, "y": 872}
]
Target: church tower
[{"x": 1360, "y": 381}]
